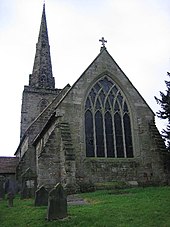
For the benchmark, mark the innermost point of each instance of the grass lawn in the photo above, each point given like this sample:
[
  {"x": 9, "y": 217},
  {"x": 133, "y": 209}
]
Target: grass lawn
[{"x": 126, "y": 208}]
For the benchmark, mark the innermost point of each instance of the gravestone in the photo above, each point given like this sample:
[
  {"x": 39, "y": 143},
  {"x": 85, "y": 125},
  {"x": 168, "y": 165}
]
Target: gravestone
[
  {"x": 10, "y": 198},
  {"x": 2, "y": 189},
  {"x": 57, "y": 203},
  {"x": 41, "y": 197},
  {"x": 29, "y": 184}
]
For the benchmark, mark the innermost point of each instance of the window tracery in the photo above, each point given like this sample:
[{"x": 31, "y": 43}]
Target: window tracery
[{"x": 107, "y": 122}]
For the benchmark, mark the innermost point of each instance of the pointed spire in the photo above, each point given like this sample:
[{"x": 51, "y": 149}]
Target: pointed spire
[
  {"x": 43, "y": 34},
  {"x": 42, "y": 76}
]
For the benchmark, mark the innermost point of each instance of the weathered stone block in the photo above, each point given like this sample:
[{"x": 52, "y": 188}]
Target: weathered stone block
[
  {"x": 41, "y": 197},
  {"x": 57, "y": 203}
]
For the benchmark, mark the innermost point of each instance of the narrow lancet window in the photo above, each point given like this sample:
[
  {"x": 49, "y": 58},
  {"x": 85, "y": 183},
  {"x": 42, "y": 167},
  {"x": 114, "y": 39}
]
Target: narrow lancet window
[
  {"x": 109, "y": 135},
  {"x": 89, "y": 134},
  {"x": 99, "y": 134},
  {"x": 128, "y": 136},
  {"x": 119, "y": 136}
]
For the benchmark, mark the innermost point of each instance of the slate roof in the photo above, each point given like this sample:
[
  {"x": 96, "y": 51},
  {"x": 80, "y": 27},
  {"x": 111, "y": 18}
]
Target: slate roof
[{"x": 8, "y": 165}]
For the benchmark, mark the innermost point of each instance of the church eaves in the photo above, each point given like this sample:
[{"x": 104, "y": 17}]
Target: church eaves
[{"x": 42, "y": 76}]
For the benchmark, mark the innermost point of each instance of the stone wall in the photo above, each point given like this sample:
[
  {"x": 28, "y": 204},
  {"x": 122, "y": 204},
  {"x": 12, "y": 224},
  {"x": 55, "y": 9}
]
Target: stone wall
[
  {"x": 100, "y": 170},
  {"x": 146, "y": 164},
  {"x": 26, "y": 150},
  {"x": 60, "y": 145},
  {"x": 34, "y": 100},
  {"x": 28, "y": 160},
  {"x": 55, "y": 156}
]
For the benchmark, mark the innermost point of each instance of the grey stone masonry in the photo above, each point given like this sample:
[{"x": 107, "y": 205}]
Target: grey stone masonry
[
  {"x": 29, "y": 184},
  {"x": 68, "y": 148},
  {"x": 41, "y": 90},
  {"x": 34, "y": 101},
  {"x": 42, "y": 75},
  {"x": 67, "y": 141},
  {"x": 25, "y": 150}
]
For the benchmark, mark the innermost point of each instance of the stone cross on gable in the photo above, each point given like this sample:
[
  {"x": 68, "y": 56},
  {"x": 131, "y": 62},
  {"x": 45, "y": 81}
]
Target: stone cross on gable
[{"x": 103, "y": 41}]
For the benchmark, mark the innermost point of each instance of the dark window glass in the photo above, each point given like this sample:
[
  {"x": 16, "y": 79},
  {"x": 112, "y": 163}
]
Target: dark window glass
[
  {"x": 120, "y": 98},
  {"x": 119, "y": 136},
  {"x": 106, "y": 100},
  {"x": 107, "y": 106},
  {"x": 97, "y": 87},
  {"x": 114, "y": 90},
  {"x": 93, "y": 95},
  {"x": 116, "y": 106},
  {"x": 125, "y": 107},
  {"x": 102, "y": 97},
  {"x": 89, "y": 134},
  {"x": 110, "y": 84},
  {"x": 109, "y": 135},
  {"x": 111, "y": 97},
  {"x": 88, "y": 104},
  {"x": 128, "y": 136},
  {"x": 98, "y": 106},
  {"x": 105, "y": 85},
  {"x": 99, "y": 134}
]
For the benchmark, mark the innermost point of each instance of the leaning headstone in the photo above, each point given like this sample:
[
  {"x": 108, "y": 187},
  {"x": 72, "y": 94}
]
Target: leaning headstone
[
  {"x": 57, "y": 203},
  {"x": 10, "y": 198},
  {"x": 41, "y": 197}
]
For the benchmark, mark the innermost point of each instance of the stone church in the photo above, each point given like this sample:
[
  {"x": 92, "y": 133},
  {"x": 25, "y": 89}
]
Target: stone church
[{"x": 100, "y": 129}]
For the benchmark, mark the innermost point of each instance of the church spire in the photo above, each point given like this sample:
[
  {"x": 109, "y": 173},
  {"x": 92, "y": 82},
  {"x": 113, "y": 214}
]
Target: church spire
[{"x": 42, "y": 76}]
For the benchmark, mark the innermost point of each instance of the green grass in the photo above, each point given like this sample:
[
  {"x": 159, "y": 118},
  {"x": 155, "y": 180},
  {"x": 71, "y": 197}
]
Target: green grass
[{"x": 110, "y": 208}]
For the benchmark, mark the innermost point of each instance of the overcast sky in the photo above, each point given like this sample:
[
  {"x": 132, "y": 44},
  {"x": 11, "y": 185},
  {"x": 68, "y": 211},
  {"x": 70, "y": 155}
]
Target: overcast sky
[{"x": 137, "y": 34}]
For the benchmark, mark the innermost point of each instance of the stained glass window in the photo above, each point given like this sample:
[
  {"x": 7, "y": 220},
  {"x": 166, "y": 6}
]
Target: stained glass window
[
  {"x": 116, "y": 107},
  {"x": 88, "y": 104},
  {"x": 102, "y": 97},
  {"x": 107, "y": 121},
  {"x": 89, "y": 134},
  {"x": 92, "y": 95},
  {"x": 99, "y": 134},
  {"x": 107, "y": 106},
  {"x": 98, "y": 106},
  {"x": 109, "y": 135},
  {"x": 128, "y": 136},
  {"x": 119, "y": 135}
]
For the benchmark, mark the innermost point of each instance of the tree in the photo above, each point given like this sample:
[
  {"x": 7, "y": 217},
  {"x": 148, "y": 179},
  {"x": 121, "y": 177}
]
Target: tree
[{"x": 164, "y": 102}]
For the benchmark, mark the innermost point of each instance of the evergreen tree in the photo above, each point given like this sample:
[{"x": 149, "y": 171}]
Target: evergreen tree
[{"x": 164, "y": 102}]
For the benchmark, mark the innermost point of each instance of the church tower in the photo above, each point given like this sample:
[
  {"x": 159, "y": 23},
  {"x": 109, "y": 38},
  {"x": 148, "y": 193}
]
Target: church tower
[
  {"x": 98, "y": 130},
  {"x": 41, "y": 90}
]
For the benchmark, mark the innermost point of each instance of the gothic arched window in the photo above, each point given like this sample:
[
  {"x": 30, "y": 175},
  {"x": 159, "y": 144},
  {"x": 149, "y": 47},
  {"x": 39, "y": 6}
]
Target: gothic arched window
[{"x": 107, "y": 122}]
